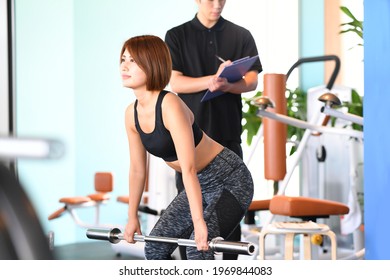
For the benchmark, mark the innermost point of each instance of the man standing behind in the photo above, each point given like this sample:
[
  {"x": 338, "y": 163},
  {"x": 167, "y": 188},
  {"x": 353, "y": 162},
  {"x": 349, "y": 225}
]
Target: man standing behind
[{"x": 195, "y": 47}]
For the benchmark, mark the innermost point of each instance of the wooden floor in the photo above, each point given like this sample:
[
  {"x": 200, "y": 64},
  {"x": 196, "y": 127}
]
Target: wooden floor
[{"x": 89, "y": 251}]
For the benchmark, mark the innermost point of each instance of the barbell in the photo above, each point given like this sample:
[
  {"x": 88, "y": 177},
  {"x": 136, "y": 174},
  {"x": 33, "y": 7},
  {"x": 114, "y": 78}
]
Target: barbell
[{"x": 217, "y": 244}]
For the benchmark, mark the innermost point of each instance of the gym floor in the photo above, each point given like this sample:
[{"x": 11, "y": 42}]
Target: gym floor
[
  {"x": 89, "y": 251},
  {"x": 104, "y": 251}
]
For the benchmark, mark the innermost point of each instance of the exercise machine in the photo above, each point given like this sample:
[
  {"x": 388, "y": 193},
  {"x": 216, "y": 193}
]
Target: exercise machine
[
  {"x": 305, "y": 208},
  {"x": 104, "y": 183}
]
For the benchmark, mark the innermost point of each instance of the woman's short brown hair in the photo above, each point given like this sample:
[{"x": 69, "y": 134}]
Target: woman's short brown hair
[{"x": 153, "y": 57}]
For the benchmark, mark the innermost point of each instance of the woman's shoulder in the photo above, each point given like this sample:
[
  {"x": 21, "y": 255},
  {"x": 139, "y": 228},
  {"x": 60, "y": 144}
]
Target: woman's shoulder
[
  {"x": 174, "y": 106},
  {"x": 129, "y": 112},
  {"x": 130, "y": 108},
  {"x": 171, "y": 96}
]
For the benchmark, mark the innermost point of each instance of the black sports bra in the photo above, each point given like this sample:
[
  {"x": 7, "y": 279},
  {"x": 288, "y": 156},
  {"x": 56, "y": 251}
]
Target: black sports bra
[{"x": 159, "y": 142}]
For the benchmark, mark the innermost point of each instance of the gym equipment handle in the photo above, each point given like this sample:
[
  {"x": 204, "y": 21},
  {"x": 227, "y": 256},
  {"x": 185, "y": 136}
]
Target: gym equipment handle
[
  {"x": 217, "y": 244},
  {"x": 335, "y": 72}
]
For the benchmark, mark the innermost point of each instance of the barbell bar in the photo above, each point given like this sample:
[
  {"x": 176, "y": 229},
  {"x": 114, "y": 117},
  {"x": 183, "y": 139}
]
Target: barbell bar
[{"x": 217, "y": 244}]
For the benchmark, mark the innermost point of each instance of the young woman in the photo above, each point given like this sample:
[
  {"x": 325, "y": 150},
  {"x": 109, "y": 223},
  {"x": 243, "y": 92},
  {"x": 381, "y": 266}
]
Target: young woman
[{"x": 218, "y": 185}]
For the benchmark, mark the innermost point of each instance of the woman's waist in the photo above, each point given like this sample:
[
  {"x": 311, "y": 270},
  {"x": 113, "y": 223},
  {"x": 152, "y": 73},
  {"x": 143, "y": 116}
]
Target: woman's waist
[{"x": 205, "y": 152}]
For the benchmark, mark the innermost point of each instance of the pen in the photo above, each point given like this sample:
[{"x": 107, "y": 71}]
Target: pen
[{"x": 220, "y": 58}]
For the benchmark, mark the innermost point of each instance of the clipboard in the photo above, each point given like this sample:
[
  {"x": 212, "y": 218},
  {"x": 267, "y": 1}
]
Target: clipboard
[{"x": 233, "y": 73}]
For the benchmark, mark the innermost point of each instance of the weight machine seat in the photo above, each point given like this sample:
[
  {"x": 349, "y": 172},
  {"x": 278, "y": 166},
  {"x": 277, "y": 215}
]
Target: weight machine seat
[
  {"x": 123, "y": 199},
  {"x": 300, "y": 207},
  {"x": 259, "y": 205},
  {"x": 99, "y": 196},
  {"x": 305, "y": 207},
  {"x": 103, "y": 182},
  {"x": 75, "y": 200}
]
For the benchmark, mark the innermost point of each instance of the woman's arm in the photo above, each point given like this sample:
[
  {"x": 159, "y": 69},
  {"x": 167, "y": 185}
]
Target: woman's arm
[
  {"x": 137, "y": 175},
  {"x": 178, "y": 120}
]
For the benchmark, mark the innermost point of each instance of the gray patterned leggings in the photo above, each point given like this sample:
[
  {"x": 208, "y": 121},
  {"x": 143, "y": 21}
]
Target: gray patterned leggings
[{"x": 227, "y": 191}]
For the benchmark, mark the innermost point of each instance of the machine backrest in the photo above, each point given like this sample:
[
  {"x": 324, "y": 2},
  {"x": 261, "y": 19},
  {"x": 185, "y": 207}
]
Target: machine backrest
[{"x": 104, "y": 182}]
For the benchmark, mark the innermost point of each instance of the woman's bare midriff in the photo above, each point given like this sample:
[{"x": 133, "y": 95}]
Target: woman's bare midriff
[{"x": 206, "y": 151}]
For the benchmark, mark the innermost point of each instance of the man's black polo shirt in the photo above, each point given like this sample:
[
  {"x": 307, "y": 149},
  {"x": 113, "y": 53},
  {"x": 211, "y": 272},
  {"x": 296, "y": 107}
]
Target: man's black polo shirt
[{"x": 193, "y": 48}]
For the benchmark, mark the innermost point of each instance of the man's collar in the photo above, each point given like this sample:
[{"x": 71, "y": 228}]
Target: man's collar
[{"x": 217, "y": 27}]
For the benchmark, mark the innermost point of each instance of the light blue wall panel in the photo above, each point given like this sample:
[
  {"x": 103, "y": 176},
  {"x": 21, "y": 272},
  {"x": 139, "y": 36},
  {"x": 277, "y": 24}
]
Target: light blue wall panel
[
  {"x": 311, "y": 38},
  {"x": 45, "y": 101}
]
